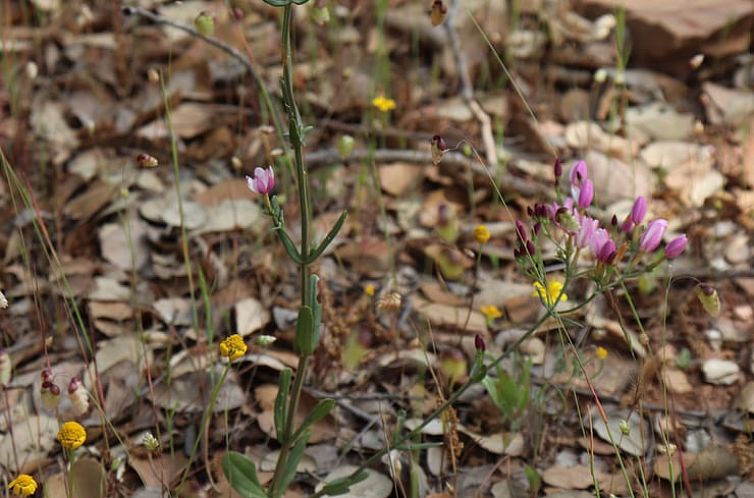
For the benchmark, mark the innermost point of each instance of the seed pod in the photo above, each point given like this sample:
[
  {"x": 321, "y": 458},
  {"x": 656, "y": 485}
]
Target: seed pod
[
  {"x": 205, "y": 24},
  {"x": 6, "y": 369},
  {"x": 79, "y": 397},
  {"x": 50, "y": 396}
]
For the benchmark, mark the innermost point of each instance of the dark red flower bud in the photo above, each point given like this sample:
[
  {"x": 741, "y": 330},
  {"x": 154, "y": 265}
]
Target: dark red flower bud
[
  {"x": 479, "y": 343},
  {"x": 558, "y": 168},
  {"x": 530, "y": 248}
]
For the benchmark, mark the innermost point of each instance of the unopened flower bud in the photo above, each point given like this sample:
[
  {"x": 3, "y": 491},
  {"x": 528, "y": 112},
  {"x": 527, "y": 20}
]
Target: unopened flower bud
[
  {"x": 46, "y": 375},
  {"x": 50, "y": 395},
  {"x": 625, "y": 429},
  {"x": 438, "y": 149},
  {"x": 345, "y": 146},
  {"x": 479, "y": 343},
  {"x": 205, "y": 23},
  {"x": 6, "y": 369},
  {"x": 79, "y": 397},
  {"x": 530, "y": 248},
  {"x": 146, "y": 161},
  {"x": 439, "y": 11},
  {"x": 265, "y": 340},
  {"x": 709, "y": 298},
  {"x": 150, "y": 442},
  {"x": 557, "y": 168}
]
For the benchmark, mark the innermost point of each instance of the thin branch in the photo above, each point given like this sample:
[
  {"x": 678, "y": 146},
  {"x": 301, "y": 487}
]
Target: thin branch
[
  {"x": 228, "y": 49},
  {"x": 467, "y": 88},
  {"x": 449, "y": 160}
]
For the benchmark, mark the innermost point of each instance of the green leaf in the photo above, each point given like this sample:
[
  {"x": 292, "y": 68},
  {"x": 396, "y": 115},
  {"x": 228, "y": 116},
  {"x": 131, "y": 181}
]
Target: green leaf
[
  {"x": 304, "y": 330},
  {"x": 294, "y": 457},
  {"x": 288, "y": 245},
  {"x": 341, "y": 485},
  {"x": 281, "y": 404},
  {"x": 316, "y": 253},
  {"x": 316, "y": 311},
  {"x": 239, "y": 471},
  {"x": 323, "y": 408},
  {"x": 278, "y": 3}
]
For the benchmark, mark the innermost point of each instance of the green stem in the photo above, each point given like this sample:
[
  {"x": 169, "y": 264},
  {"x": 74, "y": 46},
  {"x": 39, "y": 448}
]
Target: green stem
[{"x": 295, "y": 132}]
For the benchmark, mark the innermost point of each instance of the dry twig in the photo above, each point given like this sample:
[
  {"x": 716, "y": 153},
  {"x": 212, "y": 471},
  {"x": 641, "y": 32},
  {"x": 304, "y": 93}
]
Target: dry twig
[{"x": 467, "y": 88}]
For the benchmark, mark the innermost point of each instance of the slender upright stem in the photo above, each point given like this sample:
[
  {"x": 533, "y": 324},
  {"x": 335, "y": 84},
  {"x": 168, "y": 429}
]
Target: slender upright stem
[{"x": 295, "y": 132}]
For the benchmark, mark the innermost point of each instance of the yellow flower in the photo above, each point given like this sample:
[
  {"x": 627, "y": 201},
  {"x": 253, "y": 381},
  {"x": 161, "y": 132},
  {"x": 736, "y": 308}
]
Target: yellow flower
[
  {"x": 482, "y": 234},
  {"x": 550, "y": 295},
  {"x": 600, "y": 353},
  {"x": 383, "y": 103},
  {"x": 23, "y": 485},
  {"x": 71, "y": 435},
  {"x": 369, "y": 290},
  {"x": 233, "y": 347},
  {"x": 490, "y": 311}
]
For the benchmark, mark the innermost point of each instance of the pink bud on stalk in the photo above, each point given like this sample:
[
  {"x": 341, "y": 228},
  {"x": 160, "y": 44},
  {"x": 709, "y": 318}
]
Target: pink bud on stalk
[
  {"x": 639, "y": 210},
  {"x": 676, "y": 247},
  {"x": 652, "y": 236},
  {"x": 479, "y": 343},
  {"x": 521, "y": 231},
  {"x": 263, "y": 181},
  {"x": 586, "y": 193},
  {"x": 557, "y": 168}
]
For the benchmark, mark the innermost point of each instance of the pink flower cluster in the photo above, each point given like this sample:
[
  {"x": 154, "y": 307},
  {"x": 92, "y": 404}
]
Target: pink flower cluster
[{"x": 605, "y": 243}]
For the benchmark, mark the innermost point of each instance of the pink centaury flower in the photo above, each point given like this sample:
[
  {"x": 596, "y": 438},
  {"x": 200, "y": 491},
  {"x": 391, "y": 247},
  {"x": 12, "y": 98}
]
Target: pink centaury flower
[
  {"x": 602, "y": 245},
  {"x": 652, "y": 236},
  {"x": 263, "y": 181},
  {"x": 639, "y": 210},
  {"x": 587, "y": 227},
  {"x": 676, "y": 246},
  {"x": 586, "y": 193},
  {"x": 577, "y": 176}
]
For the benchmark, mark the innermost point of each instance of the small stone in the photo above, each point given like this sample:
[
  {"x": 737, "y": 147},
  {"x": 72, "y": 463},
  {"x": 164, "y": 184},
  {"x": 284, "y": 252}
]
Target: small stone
[
  {"x": 715, "y": 338},
  {"x": 720, "y": 372}
]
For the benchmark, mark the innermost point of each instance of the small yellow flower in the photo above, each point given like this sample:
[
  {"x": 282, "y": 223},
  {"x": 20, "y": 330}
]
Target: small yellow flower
[
  {"x": 600, "y": 353},
  {"x": 233, "y": 347},
  {"x": 71, "y": 435},
  {"x": 550, "y": 295},
  {"x": 23, "y": 485},
  {"x": 369, "y": 290},
  {"x": 490, "y": 311},
  {"x": 383, "y": 103},
  {"x": 482, "y": 234}
]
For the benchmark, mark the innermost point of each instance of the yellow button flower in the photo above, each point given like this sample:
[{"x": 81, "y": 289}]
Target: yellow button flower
[
  {"x": 482, "y": 234},
  {"x": 383, "y": 103},
  {"x": 23, "y": 485},
  {"x": 490, "y": 311},
  {"x": 550, "y": 295},
  {"x": 71, "y": 435},
  {"x": 369, "y": 290},
  {"x": 600, "y": 353},
  {"x": 233, "y": 347}
]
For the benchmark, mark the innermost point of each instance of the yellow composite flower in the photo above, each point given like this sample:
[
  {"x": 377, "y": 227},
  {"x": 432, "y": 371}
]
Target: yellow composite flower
[
  {"x": 383, "y": 103},
  {"x": 490, "y": 311},
  {"x": 71, "y": 435},
  {"x": 600, "y": 353},
  {"x": 233, "y": 347},
  {"x": 482, "y": 234},
  {"x": 550, "y": 295},
  {"x": 369, "y": 290},
  {"x": 23, "y": 485}
]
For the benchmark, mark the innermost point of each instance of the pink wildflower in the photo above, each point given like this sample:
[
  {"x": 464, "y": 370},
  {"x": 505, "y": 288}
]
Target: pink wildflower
[
  {"x": 263, "y": 181},
  {"x": 652, "y": 236}
]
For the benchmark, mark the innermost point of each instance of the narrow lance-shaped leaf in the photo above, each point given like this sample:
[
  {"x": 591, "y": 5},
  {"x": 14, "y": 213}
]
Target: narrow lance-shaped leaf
[
  {"x": 239, "y": 471},
  {"x": 288, "y": 245},
  {"x": 294, "y": 457},
  {"x": 281, "y": 404},
  {"x": 316, "y": 312},
  {"x": 323, "y": 408},
  {"x": 304, "y": 330},
  {"x": 316, "y": 253},
  {"x": 341, "y": 485}
]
